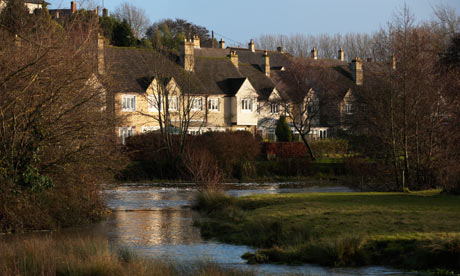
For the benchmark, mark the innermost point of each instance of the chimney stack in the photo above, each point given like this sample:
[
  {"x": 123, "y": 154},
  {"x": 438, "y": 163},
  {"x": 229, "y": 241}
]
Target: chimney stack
[
  {"x": 266, "y": 63},
  {"x": 393, "y": 61},
  {"x": 187, "y": 55},
  {"x": 251, "y": 46},
  {"x": 314, "y": 54},
  {"x": 196, "y": 42},
  {"x": 280, "y": 49},
  {"x": 357, "y": 70},
  {"x": 341, "y": 55},
  {"x": 105, "y": 12},
  {"x": 234, "y": 58},
  {"x": 222, "y": 44},
  {"x": 100, "y": 54},
  {"x": 73, "y": 7}
]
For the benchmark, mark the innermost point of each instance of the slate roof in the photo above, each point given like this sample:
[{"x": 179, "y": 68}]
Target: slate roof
[
  {"x": 263, "y": 85},
  {"x": 132, "y": 70},
  {"x": 213, "y": 73}
]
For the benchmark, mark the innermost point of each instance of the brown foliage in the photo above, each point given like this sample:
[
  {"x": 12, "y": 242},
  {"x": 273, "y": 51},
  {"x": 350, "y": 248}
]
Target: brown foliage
[{"x": 56, "y": 136}]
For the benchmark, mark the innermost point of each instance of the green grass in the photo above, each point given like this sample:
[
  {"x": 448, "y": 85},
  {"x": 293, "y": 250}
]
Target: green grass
[
  {"x": 92, "y": 256},
  {"x": 410, "y": 230}
]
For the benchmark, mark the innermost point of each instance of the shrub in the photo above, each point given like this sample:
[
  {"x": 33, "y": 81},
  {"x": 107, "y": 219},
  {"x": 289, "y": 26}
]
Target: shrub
[
  {"x": 329, "y": 147},
  {"x": 284, "y": 150},
  {"x": 282, "y": 131}
]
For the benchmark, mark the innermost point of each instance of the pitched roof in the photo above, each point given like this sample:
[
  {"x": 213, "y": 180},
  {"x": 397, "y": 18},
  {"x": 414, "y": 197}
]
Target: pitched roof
[
  {"x": 132, "y": 70},
  {"x": 277, "y": 59},
  {"x": 213, "y": 73},
  {"x": 261, "y": 83}
]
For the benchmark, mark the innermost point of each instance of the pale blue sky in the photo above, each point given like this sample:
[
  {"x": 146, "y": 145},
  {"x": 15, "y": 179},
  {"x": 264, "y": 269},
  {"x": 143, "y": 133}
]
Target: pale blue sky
[{"x": 242, "y": 20}]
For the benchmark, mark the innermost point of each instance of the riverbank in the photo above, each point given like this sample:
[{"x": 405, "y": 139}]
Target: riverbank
[
  {"x": 92, "y": 256},
  {"x": 408, "y": 230}
]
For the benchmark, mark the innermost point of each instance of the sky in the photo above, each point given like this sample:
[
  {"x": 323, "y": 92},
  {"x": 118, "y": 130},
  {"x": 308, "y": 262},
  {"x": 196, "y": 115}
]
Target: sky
[{"x": 241, "y": 20}]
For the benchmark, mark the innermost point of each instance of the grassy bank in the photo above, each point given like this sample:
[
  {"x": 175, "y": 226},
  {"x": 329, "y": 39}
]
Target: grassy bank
[
  {"x": 91, "y": 256},
  {"x": 413, "y": 231}
]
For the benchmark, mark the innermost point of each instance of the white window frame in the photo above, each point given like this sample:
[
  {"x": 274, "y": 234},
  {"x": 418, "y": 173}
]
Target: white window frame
[
  {"x": 146, "y": 129},
  {"x": 197, "y": 103},
  {"x": 348, "y": 108},
  {"x": 213, "y": 104},
  {"x": 247, "y": 105},
  {"x": 194, "y": 131},
  {"x": 125, "y": 132},
  {"x": 128, "y": 103},
  {"x": 171, "y": 106},
  {"x": 274, "y": 108},
  {"x": 153, "y": 103}
]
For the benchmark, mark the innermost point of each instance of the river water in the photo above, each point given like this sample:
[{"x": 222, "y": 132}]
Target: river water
[{"x": 157, "y": 221}]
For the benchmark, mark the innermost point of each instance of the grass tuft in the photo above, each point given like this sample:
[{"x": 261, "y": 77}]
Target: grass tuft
[
  {"x": 91, "y": 256},
  {"x": 415, "y": 230}
]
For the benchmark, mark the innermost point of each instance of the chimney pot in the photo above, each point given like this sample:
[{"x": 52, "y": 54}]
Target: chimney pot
[
  {"x": 222, "y": 44},
  {"x": 393, "y": 61},
  {"x": 73, "y": 6},
  {"x": 251, "y": 46},
  {"x": 280, "y": 49},
  {"x": 341, "y": 55},
  {"x": 234, "y": 58},
  {"x": 105, "y": 12},
  {"x": 357, "y": 70},
  {"x": 314, "y": 54}
]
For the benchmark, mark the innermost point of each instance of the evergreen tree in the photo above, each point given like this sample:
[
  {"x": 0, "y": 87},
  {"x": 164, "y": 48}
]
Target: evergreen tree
[
  {"x": 123, "y": 35},
  {"x": 282, "y": 131}
]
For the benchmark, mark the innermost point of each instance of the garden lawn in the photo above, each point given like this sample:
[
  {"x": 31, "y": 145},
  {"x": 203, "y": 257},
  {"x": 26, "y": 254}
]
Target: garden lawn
[{"x": 411, "y": 230}]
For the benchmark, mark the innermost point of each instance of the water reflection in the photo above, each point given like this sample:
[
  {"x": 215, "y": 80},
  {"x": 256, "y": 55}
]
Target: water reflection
[
  {"x": 153, "y": 228},
  {"x": 154, "y": 222}
]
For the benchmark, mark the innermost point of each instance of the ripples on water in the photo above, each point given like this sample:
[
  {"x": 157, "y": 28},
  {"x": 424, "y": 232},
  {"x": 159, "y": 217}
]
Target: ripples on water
[{"x": 155, "y": 221}]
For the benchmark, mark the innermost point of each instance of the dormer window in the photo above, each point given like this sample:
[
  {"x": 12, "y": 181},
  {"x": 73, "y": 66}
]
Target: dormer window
[
  {"x": 153, "y": 103},
  {"x": 213, "y": 104},
  {"x": 348, "y": 108},
  {"x": 247, "y": 105},
  {"x": 173, "y": 104},
  {"x": 128, "y": 103},
  {"x": 197, "y": 103},
  {"x": 274, "y": 108}
]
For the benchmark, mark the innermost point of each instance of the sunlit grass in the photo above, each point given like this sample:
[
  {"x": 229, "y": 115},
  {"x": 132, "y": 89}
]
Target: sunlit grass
[{"x": 417, "y": 230}]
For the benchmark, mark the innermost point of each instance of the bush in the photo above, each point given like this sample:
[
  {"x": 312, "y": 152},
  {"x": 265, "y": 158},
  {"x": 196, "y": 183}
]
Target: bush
[
  {"x": 284, "y": 150},
  {"x": 282, "y": 131},
  {"x": 329, "y": 147}
]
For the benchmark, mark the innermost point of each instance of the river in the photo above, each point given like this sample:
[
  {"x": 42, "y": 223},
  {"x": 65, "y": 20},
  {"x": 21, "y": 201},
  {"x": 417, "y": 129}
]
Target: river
[{"x": 157, "y": 221}]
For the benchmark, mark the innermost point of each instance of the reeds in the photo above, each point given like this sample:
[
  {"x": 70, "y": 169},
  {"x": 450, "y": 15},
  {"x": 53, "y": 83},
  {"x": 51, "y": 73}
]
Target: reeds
[{"x": 43, "y": 256}]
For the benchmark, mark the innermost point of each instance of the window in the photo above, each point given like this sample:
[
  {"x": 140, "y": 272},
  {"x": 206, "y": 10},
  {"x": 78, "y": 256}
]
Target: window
[
  {"x": 247, "y": 105},
  {"x": 213, "y": 104},
  {"x": 311, "y": 109},
  {"x": 348, "y": 108},
  {"x": 274, "y": 108},
  {"x": 146, "y": 129},
  {"x": 128, "y": 103},
  {"x": 194, "y": 131},
  {"x": 197, "y": 103},
  {"x": 153, "y": 103},
  {"x": 125, "y": 132},
  {"x": 173, "y": 104}
]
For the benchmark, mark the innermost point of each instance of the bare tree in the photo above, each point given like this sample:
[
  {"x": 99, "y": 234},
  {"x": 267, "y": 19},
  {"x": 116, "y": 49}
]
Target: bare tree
[
  {"x": 55, "y": 132},
  {"x": 136, "y": 18},
  {"x": 298, "y": 98}
]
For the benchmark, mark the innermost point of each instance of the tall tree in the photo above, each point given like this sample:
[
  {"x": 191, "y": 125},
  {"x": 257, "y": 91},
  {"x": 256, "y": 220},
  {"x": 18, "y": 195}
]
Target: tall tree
[
  {"x": 169, "y": 34},
  {"x": 55, "y": 133},
  {"x": 134, "y": 16}
]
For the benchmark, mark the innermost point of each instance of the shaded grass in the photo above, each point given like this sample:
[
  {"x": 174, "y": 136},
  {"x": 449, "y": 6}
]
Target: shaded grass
[
  {"x": 91, "y": 256},
  {"x": 411, "y": 230}
]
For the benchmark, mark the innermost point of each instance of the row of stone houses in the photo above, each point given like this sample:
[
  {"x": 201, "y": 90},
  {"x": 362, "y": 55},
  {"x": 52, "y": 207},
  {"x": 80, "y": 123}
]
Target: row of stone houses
[{"x": 221, "y": 89}]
